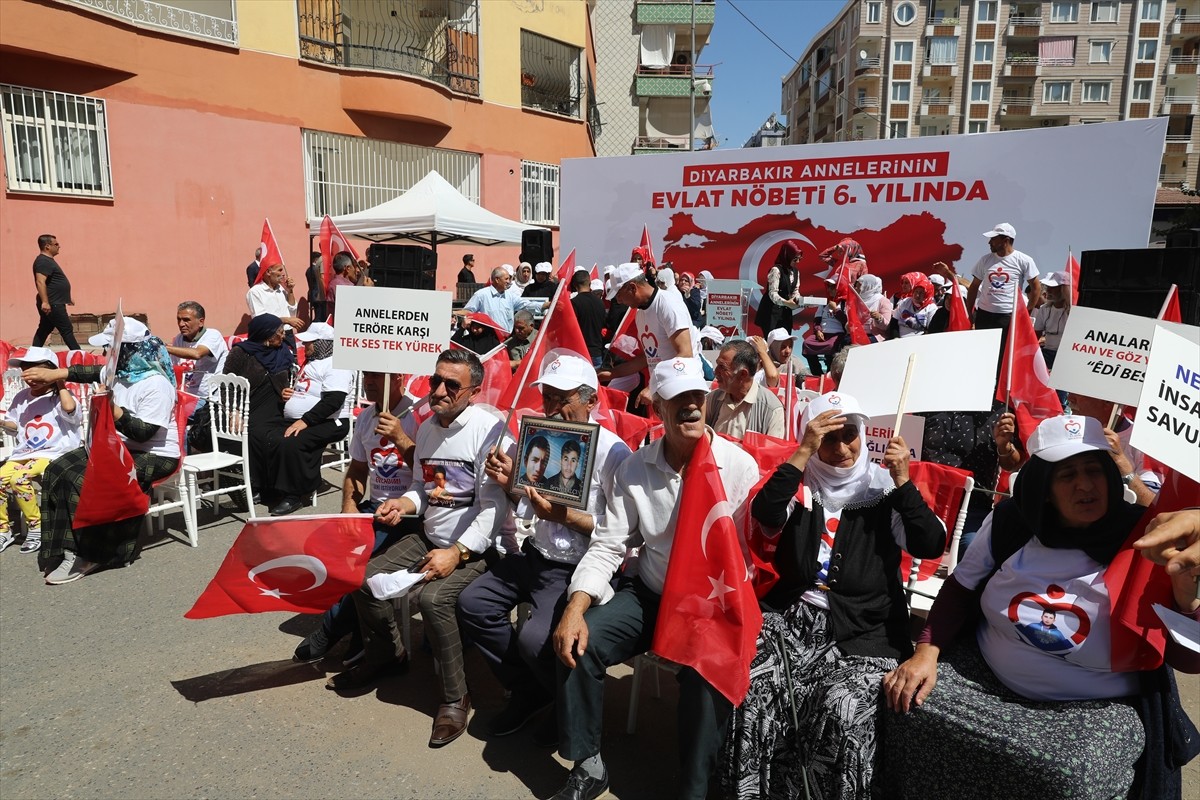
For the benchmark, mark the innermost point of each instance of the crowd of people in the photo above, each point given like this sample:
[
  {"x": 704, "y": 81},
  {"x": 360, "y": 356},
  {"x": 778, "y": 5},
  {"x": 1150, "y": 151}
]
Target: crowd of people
[{"x": 840, "y": 703}]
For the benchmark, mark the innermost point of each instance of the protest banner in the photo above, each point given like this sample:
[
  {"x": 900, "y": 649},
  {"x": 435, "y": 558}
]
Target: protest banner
[
  {"x": 952, "y": 372},
  {"x": 1167, "y": 425},
  {"x": 390, "y": 330},
  {"x": 726, "y": 308},
  {"x": 909, "y": 202},
  {"x": 1105, "y": 354},
  {"x": 879, "y": 430}
]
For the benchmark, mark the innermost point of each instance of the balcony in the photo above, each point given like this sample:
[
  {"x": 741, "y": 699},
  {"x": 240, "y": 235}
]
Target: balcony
[
  {"x": 644, "y": 145},
  {"x": 938, "y": 105},
  {"x": 673, "y": 81},
  {"x": 1018, "y": 107},
  {"x": 867, "y": 67},
  {"x": 1024, "y": 27},
  {"x": 1178, "y": 144},
  {"x": 1182, "y": 65},
  {"x": 171, "y": 18},
  {"x": 929, "y": 70},
  {"x": 947, "y": 26},
  {"x": 1173, "y": 180},
  {"x": 436, "y": 40},
  {"x": 674, "y": 12},
  {"x": 865, "y": 105},
  {"x": 1026, "y": 67},
  {"x": 1185, "y": 25},
  {"x": 1177, "y": 105}
]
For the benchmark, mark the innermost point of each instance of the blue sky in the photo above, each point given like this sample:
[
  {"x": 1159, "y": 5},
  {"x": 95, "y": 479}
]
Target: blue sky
[{"x": 749, "y": 69}]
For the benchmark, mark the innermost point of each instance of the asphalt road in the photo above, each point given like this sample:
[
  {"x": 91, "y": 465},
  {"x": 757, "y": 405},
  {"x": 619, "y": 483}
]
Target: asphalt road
[{"x": 106, "y": 691}]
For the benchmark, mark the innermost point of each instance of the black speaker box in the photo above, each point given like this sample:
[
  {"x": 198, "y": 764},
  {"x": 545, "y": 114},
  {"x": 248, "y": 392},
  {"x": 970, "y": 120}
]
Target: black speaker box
[
  {"x": 1141, "y": 303},
  {"x": 398, "y": 266},
  {"x": 1140, "y": 270},
  {"x": 537, "y": 245}
]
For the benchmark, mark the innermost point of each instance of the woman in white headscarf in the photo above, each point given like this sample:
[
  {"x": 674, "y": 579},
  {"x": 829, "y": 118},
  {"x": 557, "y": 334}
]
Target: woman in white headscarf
[
  {"x": 835, "y": 621},
  {"x": 524, "y": 275},
  {"x": 870, "y": 289}
]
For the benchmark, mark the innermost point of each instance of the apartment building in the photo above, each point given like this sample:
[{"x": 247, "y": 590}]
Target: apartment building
[
  {"x": 650, "y": 87},
  {"x": 902, "y": 68},
  {"x": 153, "y": 136}
]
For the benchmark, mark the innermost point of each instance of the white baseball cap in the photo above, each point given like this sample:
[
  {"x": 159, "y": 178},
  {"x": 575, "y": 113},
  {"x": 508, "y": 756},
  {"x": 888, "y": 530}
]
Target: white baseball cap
[
  {"x": 566, "y": 370},
  {"x": 610, "y": 269},
  {"x": 623, "y": 275},
  {"x": 509, "y": 269},
  {"x": 780, "y": 335},
  {"x": 34, "y": 355},
  {"x": 1051, "y": 279},
  {"x": 134, "y": 332},
  {"x": 543, "y": 266},
  {"x": 597, "y": 285},
  {"x": 844, "y": 404},
  {"x": 676, "y": 376},
  {"x": 1059, "y": 438},
  {"x": 709, "y": 332},
  {"x": 1002, "y": 229},
  {"x": 318, "y": 330},
  {"x": 938, "y": 280}
]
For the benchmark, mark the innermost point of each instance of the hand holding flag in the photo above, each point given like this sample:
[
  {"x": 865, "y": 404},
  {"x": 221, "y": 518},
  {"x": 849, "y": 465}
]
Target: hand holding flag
[{"x": 269, "y": 248}]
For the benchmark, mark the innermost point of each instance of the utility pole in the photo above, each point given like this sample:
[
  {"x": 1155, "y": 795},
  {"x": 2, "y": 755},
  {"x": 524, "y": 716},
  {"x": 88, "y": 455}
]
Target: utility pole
[{"x": 692, "y": 84}]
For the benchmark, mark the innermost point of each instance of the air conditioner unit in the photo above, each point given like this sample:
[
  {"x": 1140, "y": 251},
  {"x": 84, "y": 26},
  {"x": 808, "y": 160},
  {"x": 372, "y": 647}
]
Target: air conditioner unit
[{"x": 1046, "y": 123}]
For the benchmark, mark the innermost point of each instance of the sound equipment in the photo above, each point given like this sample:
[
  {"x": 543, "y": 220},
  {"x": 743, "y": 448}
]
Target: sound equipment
[
  {"x": 1137, "y": 281},
  {"x": 400, "y": 266},
  {"x": 537, "y": 245}
]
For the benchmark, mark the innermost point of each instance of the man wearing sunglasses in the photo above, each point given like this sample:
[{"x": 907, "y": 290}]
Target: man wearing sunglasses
[
  {"x": 460, "y": 523},
  {"x": 557, "y": 537}
]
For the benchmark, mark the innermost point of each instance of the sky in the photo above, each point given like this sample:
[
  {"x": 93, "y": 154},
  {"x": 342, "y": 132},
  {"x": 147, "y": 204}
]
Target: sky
[{"x": 748, "y": 69}]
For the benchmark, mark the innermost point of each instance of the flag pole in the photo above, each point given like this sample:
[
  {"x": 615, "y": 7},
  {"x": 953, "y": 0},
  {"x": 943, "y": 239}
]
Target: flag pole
[
  {"x": 912, "y": 360},
  {"x": 1170, "y": 293},
  {"x": 387, "y": 392},
  {"x": 1008, "y": 344},
  {"x": 790, "y": 386},
  {"x": 1112, "y": 418}
]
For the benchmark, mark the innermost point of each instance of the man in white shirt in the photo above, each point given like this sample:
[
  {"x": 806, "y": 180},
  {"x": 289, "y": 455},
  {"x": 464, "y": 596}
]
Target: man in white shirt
[
  {"x": 461, "y": 521},
  {"x": 600, "y": 627},
  {"x": 496, "y": 299},
  {"x": 200, "y": 349},
  {"x": 276, "y": 295},
  {"x": 741, "y": 403},
  {"x": 999, "y": 277},
  {"x": 556, "y": 538}
]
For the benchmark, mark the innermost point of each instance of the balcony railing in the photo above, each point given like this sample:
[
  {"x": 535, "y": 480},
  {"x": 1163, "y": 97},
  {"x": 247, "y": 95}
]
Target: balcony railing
[
  {"x": 1037, "y": 20},
  {"x": 1180, "y": 59},
  {"x": 660, "y": 144},
  {"x": 1017, "y": 101},
  {"x": 1176, "y": 138},
  {"x": 170, "y": 18},
  {"x": 1168, "y": 104},
  {"x": 1173, "y": 180},
  {"x": 437, "y": 40}
]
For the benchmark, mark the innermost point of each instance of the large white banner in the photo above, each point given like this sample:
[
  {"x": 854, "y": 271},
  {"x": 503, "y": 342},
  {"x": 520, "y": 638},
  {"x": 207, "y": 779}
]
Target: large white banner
[
  {"x": 1167, "y": 426},
  {"x": 908, "y": 202}
]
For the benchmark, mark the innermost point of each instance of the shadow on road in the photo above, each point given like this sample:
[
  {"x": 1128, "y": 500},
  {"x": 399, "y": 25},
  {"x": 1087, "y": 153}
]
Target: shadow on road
[{"x": 252, "y": 678}]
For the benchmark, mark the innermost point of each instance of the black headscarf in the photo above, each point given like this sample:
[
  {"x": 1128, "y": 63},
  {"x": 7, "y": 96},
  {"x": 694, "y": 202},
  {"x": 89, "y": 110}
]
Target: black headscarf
[{"x": 260, "y": 329}]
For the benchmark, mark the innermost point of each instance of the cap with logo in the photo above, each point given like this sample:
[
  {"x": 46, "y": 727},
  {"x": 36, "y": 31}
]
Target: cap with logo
[
  {"x": 676, "y": 376},
  {"x": 1059, "y": 438},
  {"x": 566, "y": 370},
  {"x": 1002, "y": 229}
]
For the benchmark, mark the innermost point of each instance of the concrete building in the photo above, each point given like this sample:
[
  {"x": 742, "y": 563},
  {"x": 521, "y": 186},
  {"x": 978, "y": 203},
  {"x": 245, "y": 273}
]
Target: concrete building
[
  {"x": 648, "y": 75},
  {"x": 903, "y": 68},
  {"x": 153, "y": 137},
  {"x": 771, "y": 133}
]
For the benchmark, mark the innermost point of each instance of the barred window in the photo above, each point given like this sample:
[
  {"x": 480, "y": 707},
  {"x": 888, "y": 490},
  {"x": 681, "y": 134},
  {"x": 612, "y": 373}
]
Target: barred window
[
  {"x": 550, "y": 75},
  {"x": 539, "y": 193},
  {"x": 55, "y": 142}
]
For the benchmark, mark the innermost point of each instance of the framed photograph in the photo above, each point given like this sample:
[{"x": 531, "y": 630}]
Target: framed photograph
[{"x": 556, "y": 458}]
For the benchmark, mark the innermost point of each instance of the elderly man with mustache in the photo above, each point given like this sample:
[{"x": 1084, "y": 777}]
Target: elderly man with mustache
[{"x": 600, "y": 627}]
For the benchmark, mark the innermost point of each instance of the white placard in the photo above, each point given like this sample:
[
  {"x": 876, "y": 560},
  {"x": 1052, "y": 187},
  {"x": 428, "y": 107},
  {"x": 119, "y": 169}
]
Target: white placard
[
  {"x": 1184, "y": 630},
  {"x": 1104, "y": 354},
  {"x": 724, "y": 308},
  {"x": 879, "y": 430},
  {"x": 952, "y": 372},
  {"x": 114, "y": 348},
  {"x": 1167, "y": 425},
  {"x": 390, "y": 330}
]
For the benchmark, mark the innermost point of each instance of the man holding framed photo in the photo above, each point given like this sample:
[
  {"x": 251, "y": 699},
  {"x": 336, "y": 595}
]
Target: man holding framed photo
[{"x": 557, "y": 537}]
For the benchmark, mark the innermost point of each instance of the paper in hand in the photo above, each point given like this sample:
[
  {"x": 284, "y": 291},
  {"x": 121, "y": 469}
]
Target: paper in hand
[{"x": 389, "y": 585}]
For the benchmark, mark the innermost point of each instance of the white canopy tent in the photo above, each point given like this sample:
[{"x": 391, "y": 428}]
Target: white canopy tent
[{"x": 432, "y": 212}]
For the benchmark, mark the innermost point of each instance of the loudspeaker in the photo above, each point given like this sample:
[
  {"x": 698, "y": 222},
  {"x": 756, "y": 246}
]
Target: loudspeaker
[
  {"x": 1137, "y": 281},
  {"x": 399, "y": 266},
  {"x": 1142, "y": 303},
  {"x": 537, "y": 245}
]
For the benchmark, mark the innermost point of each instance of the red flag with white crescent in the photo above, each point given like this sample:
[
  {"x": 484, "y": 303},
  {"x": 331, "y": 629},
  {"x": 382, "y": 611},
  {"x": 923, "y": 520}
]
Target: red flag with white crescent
[
  {"x": 333, "y": 241},
  {"x": 298, "y": 564},
  {"x": 1026, "y": 383},
  {"x": 647, "y": 245},
  {"x": 270, "y": 251},
  {"x": 709, "y": 617},
  {"x": 110, "y": 491}
]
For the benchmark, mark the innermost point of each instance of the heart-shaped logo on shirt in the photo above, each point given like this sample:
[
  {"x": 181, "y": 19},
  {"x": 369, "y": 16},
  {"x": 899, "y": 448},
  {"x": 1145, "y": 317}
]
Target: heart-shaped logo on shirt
[
  {"x": 1051, "y": 629},
  {"x": 38, "y": 433},
  {"x": 385, "y": 461},
  {"x": 998, "y": 278},
  {"x": 302, "y": 384},
  {"x": 649, "y": 343}
]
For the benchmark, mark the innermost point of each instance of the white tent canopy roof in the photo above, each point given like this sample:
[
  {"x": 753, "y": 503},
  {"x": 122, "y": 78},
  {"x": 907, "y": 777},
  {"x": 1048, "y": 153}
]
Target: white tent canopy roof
[{"x": 431, "y": 208}]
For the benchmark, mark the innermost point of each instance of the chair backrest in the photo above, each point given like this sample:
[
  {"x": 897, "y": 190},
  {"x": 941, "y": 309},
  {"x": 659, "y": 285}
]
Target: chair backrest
[
  {"x": 947, "y": 491},
  {"x": 12, "y": 385},
  {"x": 230, "y": 412}
]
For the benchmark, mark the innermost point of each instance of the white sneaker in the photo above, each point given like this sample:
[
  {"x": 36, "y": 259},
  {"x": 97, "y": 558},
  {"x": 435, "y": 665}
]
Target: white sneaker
[
  {"x": 6, "y": 539},
  {"x": 33, "y": 541},
  {"x": 71, "y": 569}
]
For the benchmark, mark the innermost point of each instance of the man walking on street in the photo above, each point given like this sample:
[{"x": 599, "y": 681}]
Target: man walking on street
[{"x": 53, "y": 294}]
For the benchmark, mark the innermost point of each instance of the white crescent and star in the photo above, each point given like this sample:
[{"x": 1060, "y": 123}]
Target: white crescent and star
[
  {"x": 719, "y": 589},
  {"x": 132, "y": 467},
  {"x": 313, "y": 565}
]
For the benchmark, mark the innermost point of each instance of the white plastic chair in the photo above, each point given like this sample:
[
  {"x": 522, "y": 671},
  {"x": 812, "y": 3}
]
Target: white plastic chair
[
  {"x": 229, "y": 405},
  {"x": 921, "y": 593},
  {"x": 354, "y": 402},
  {"x": 173, "y": 491}
]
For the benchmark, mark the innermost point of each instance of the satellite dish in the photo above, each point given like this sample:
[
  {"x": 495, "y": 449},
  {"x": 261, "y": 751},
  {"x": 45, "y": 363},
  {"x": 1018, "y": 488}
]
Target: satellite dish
[{"x": 862, "y": 55}]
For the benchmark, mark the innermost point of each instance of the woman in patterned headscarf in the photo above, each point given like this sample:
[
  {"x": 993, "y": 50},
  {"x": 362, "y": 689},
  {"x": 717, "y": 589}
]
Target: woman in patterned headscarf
[{"x": 781, "y": 294}]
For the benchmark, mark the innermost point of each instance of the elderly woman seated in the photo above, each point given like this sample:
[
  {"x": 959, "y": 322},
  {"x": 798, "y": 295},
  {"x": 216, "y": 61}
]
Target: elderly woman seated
[
  {"x": 1030, "y": 704},
  {"x": 833, "y": 526}
]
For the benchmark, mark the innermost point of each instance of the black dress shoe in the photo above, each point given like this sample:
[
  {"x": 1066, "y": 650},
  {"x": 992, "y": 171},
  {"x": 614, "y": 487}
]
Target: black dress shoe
[
  {"x": 581, "y": 786},
  {"x": 287, "y": 505},
  {"x": 363, "y": 675}
]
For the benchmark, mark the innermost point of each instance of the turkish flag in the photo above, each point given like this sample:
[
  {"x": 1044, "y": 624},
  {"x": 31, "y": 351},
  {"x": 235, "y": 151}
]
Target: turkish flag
[
  {"x": 960, "y": 320},
  {"x": 1135, "y": 584},
  {"x": 857, "y": 313},
  {"x": 270, "y": 251},
  {"x": 647, "y": 245},
  {"x": 1026, "y": 386},
  {"x": 1170, "y": 309},
  {"x": 1073, "y": 271},
  {"x": 709, "y": 618},
  {"x": 497, "y": 375},
  {"x": 110, "y": 490},
  {"x": 566, "y": 270},
  {"x": 298, "y": 564},
  {"x": 333, "y": 242}
]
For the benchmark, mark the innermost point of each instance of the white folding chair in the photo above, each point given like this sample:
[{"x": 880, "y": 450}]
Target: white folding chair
[
  {"x": 229, "y": 413},
  {"x": 641, "y": 664},
  {"x": 922, "y": 591},
  {"x": 354, "y": 402},
  {"x": 173, "y": 491}
]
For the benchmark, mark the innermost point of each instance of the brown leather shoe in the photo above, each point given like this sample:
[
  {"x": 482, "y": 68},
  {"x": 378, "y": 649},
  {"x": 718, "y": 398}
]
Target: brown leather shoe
[{"x": 450, "y": 722}]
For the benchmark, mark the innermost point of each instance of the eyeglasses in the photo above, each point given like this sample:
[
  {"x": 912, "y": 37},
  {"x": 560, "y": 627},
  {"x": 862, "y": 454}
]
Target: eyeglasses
[{"x": 452, "y": 386}]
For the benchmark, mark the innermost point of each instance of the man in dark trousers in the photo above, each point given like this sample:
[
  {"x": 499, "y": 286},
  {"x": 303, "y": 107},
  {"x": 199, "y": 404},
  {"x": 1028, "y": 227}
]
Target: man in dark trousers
[
  {"x": 53, "y": 294},
  {"x": 590, "y": 312},
  {"x": 315, "y": 276},
  {"x": 253, "y": 268}
]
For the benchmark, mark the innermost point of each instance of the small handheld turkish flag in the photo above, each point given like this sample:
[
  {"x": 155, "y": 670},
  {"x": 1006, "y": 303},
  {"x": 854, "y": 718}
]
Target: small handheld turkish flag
[
  {"x": 333, "y": 242},
  {"x": 300, "y": 564},
  {"x": 270, "y": 255},
  {"x": 110, "y": 491}
]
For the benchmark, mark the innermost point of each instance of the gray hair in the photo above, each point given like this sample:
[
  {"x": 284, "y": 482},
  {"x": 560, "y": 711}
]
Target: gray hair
[
  {"x": 498, "y": 271},
  {"x": 586, "y": 394},
  {"x": 742, "y": 355},
  {"x": 838, "y": 364},
  {"x": 460, "y": 356},
  {"x": 524, "y": 315},
  {"x": 341, "y": 261},
  {"x": 192, "y": 306}
]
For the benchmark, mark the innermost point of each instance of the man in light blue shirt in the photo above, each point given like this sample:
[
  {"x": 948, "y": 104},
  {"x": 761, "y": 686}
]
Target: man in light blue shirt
[{"x": 495, "y": 299}]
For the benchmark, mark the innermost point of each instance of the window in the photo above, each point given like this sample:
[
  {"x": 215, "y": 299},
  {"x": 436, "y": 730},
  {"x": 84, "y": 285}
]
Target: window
[
  {"x": 977, "y": 126},
  {"x": 873, "y": 12},
  {"x": 984, "y": 52},
  {"x": 1151, "y": 10},
  {"x": 929, "y": 130},
  {"x": 539, "y": 193},
  {"x": 901, "y": 91},
  {"x": 943, "y": 50},
  {"x": 987, "y": 11},
  {"x": 899, "y": 130},
  {"x": 1064, "y": 11},
  {"x": 1147, "y": 50},
  {"x": 55, "y": 142},
  {"x": 550, "y": 77},
  {"x": 1096, "y": 91},
  {"x": 1142, "y": 90},
  {"x": 1101, "y": 53},
  {"x": 981, "y": 91},
  {"x": 902, "y": 52},
  {"x": 1056, "y": 92},
  {"x": 861, "y": 98},
  {"x": 905, "y": 13},
  {"x": 1104, "y": 11},
  {"x": 1090, "y": 121}
]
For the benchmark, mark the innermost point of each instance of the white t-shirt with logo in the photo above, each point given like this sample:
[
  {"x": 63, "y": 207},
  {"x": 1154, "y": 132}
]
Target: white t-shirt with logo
[
  {"x": 389, "y": 475},
  {"x": 1000, "y": 279},
  {"x": 197, "y": 379},
  {"x": 665, "y": 315},
  {"x": 44, "y": 430},
  {"x": 315, "y": 378},
  {"x": 152, "y": 400}
]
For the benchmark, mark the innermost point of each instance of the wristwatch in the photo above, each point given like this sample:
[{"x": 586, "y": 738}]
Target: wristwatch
[
  {"x": 464, "y": 555},
  {"x": 1128, "y": 478}
]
